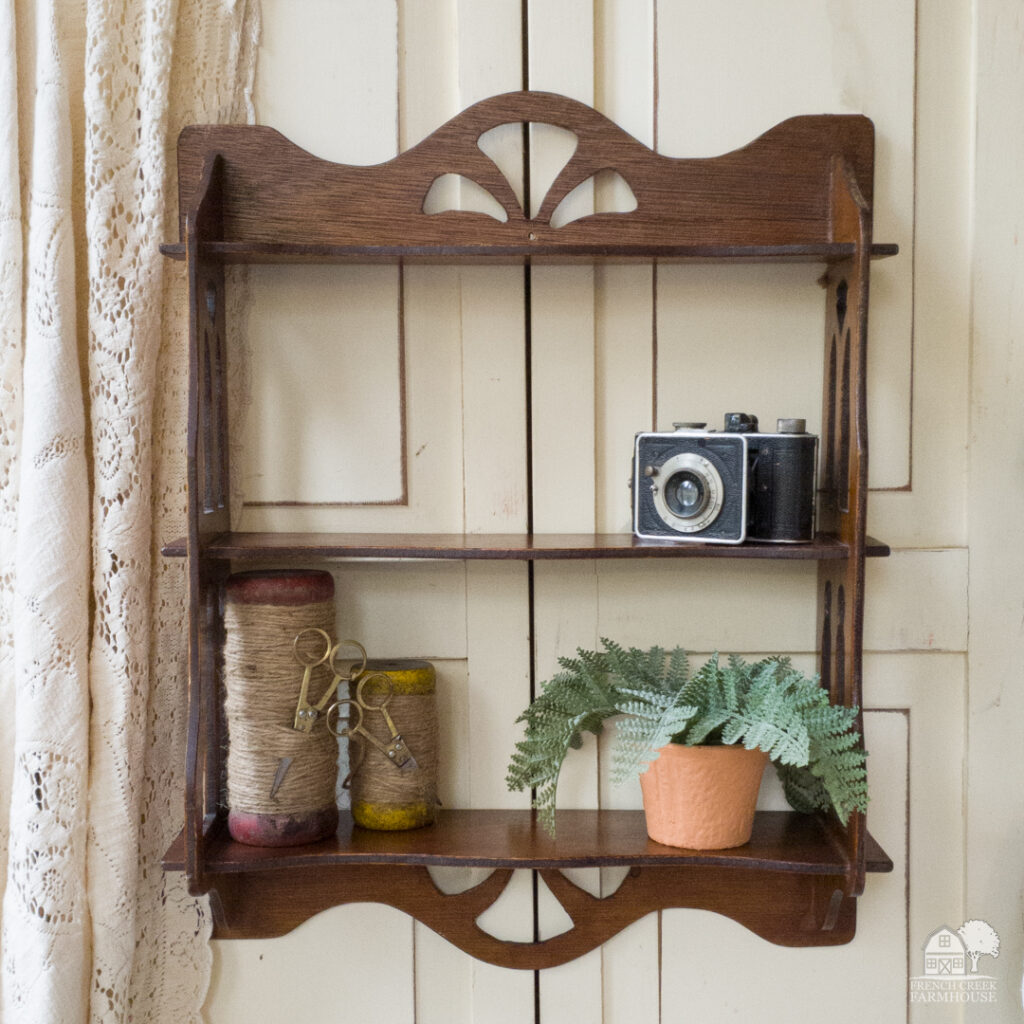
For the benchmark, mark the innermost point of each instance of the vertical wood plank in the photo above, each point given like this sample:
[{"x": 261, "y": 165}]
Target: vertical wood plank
[
  {"x": 562, "y": 298},
  {"x": 565, "y": 608},
  {"x": 433, "y": 397},
  {"x": 562, "y": 362},
  {"x": 562, "y": 346},
  {"x": 624, "y": 370},
  {"x": 475, "y": 321},
  {"x": 495, "y": 487},
  {"x": 566, "y": 617},
  {"x": 561, "y": 60},
  {"x": 997, "y": 274},
  {"x": 624, "y": 296},
  {"x": 499, "y": 684},
  {"x": 427, "y": 69},
  {"x": 626, "y": 347},
  {"x": 494, "y": 400}
]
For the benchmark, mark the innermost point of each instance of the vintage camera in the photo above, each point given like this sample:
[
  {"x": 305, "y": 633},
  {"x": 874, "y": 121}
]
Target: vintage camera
[{"x": 724, "y": 487}]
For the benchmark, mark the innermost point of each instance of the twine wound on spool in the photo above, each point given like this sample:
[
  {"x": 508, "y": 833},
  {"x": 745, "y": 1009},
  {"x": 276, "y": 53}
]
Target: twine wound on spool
[
  {"x": 280, "y": 782},
  {"x": 386, "y": 797}
]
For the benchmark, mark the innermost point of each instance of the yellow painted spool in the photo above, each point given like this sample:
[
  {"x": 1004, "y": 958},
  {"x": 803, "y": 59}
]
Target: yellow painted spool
[{"x": 385, "y": 797}]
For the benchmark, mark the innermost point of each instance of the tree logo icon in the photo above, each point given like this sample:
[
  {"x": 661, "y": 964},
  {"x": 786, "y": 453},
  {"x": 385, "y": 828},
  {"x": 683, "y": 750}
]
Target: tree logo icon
[{"x": 979, "y": 939}]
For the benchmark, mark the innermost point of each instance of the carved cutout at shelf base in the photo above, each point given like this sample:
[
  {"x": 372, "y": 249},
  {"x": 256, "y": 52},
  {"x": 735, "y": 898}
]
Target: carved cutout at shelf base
[{"x": 784, "y": 908}]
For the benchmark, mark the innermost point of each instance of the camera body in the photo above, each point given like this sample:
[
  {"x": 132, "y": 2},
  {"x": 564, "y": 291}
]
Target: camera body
[{"x": 725, "y": 487}]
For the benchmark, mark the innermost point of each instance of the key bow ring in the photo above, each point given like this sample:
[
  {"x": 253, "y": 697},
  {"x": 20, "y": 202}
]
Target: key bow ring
[
  {"x": 360, "y": 705},
  {"x": 306, "y": 714}
]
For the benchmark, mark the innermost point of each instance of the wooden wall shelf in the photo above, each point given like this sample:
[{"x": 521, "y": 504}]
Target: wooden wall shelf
[{"x": 801, "y": 192}]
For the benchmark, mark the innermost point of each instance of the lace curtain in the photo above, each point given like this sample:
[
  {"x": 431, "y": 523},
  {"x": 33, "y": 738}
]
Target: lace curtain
[{"x": 92, "y": 398}]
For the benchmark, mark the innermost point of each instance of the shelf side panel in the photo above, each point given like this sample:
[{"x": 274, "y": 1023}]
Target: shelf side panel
[
  {"x": 844, "y": 474},
  {"x": 208, "y": 476}
]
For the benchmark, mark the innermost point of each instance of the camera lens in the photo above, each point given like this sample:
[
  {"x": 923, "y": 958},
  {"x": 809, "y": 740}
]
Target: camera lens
[
  {"x": 686, "y": 494},
  {"x": 691, "y": 498}
]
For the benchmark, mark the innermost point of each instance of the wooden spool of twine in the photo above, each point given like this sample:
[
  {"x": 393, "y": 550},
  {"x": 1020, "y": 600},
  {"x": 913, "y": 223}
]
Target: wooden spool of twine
[
  {"x": 385, "y": 797},
  {"x": 281, "y": 782}
]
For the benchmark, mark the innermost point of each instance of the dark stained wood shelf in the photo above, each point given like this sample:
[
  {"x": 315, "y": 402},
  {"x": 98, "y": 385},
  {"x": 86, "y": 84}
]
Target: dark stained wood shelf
[
  {"x": 781, "y": 841},
  {"x": 550, "y": 253},
  {"x": 801, "y": 192},
  {"x": 522, "y": 547}
]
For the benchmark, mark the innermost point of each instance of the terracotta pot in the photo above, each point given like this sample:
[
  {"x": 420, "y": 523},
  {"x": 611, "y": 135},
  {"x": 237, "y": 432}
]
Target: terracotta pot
[{"x": 702, "y": 798}]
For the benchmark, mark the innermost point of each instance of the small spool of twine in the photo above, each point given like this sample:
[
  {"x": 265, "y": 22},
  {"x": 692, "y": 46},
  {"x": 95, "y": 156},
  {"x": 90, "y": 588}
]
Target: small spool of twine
[
  {"x": 385, "y": 797},
  {"x": 280, "y": 782}
]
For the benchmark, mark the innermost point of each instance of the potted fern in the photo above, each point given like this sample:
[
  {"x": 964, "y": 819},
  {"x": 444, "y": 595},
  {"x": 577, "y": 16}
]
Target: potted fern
[{"x": 739, "y": 714}]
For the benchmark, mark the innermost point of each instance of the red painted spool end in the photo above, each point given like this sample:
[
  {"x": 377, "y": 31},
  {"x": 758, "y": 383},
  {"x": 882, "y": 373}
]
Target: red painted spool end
[
  {"x": 281, "y": 587},
  {"x": 282, "y": 829}
]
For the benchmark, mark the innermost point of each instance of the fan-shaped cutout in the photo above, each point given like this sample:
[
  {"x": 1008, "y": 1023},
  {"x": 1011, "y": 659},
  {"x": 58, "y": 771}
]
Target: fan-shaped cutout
[
  {"x": 611, "y": 879},
  {"x": 453, "y": 880},
  {"x": 551, "y": 148},
  {"x": 457, "y": 192},
  {"x": 555, "y": 920},
  {"x": 510, "y": 916},
  {"x": 504, "y": 145},
  {"x": 604, "y": 192}
]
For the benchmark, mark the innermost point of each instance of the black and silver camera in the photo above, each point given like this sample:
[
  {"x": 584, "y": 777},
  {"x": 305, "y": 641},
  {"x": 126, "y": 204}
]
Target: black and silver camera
[{"x": 724, "y": 487}]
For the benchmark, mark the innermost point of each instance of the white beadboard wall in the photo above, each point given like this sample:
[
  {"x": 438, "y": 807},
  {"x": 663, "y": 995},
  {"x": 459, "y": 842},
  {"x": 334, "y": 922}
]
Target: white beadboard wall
[{"x": 423, "y": 426}]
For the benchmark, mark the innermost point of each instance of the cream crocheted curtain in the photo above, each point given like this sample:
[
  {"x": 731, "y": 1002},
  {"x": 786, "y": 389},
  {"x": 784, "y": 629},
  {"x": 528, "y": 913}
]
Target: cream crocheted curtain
[{"x": 92, "y": 392}]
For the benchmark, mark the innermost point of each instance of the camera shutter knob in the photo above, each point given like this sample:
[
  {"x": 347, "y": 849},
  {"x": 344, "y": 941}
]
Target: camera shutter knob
[
  {"x": 650, "y": 471},
  {"x": 792, "y": 426}
]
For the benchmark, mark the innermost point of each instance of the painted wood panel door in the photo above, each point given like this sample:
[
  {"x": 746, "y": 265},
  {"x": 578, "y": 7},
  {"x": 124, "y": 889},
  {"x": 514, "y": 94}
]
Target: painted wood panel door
[{"x": 427, "y": 415}]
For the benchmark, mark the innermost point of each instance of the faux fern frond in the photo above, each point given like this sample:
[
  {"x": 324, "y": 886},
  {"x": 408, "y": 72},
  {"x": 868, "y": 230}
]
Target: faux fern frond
[
  {"x": 651, "y": 722},
  {"x": 835, "y": 773}
]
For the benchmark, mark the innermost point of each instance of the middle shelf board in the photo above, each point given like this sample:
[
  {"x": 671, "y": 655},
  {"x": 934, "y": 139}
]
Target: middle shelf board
[
  {"x": 781, "y": 841},
  {"x": 521, "y": 547}
]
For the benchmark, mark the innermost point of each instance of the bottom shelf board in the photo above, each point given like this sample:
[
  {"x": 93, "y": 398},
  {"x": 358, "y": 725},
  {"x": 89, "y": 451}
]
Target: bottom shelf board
[{"x": 781, "y": 841}]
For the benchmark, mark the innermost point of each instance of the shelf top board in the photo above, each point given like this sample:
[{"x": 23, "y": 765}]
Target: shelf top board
[
  {"x": 247, "y": 193},
  {"x": 554, "y": 254},
  {"x": 781, "y": 841},
  {"x": 510, "y": 547}
]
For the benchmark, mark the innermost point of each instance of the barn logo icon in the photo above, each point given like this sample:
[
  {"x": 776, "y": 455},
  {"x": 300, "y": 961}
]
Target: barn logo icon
[{"x": 950, "y": 962}]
